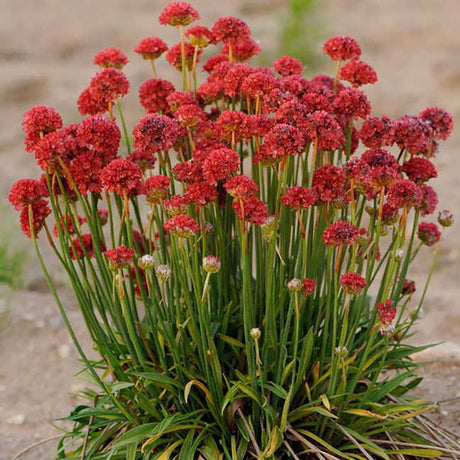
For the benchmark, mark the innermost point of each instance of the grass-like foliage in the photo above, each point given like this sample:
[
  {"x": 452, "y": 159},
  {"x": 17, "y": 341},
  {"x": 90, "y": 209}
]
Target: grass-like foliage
[{"x": 243, "y": 270}]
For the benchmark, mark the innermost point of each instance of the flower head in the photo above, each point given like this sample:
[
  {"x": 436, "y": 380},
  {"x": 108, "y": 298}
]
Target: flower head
[
  {"x": 308, "y": 286},
  {"x": 342, "y": 48},
  {"x": 153, "y": 94},
  {"x": 211, "y": 264},
  {"x": 199, "y": 36},
  {"x": 227, "y": 28},
  {"x": 428, "y": 233},
  {"x": 241, "y": 186},
  {"x": 182, "y": 226},
  {"x": 299, "y": 197},
  {"x": 340, "y": 233},
  {"x": 174, "y": 55},
  {"x": 251, "y": 209},
  {"x": 446, "y": 218},
  {"x": 122, "y": 177},
  {"x": 358, "y": 73},
  {"x": 419, "y": 169},
  {"x": 404, "y": 194},
  {"x": 120, "y": 257},
  {"x": 220, "y": 164},
  {"x": 386, "y": 312},
  {"x": 34, "y": 213},
  {"x": 440, "y": 121},
  {"x": 27, "y": 191},
  {"x": 328, "y": 183},
  {"x": 156, "y": 188},
  {"x": 39, "y": 121},
  {"x": 163, "y": 272},
  {"x": 377, "y": 132},
  {"x": 353, "y": 283},
  {"x": 151, "y": 48},
  {"x": 288, "y": 65},
  {"x": 110, "y": 57},
  {"x": 155, "y": 133},
  {"x": 178, "y": 14}
]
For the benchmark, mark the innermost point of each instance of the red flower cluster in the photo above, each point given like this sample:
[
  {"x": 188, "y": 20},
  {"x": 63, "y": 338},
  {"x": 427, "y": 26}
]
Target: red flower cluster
[
  {"x": 386, "y": 312},
  {"x": 120, "y": 257},
  {"x": 358, "y": 73},
  {"x": 182, "y": 226},
  {"x": 156, "y": 188},
  {"x": 178, "y": 14},
  {"x": 151, "y": 48},
  {"x": 428, "y": 233},
  {"x": 110, "y": 57},
  {"x": 299, "y": 197},
  {"x": 342, "y": 48},
  {"x": 27, "y": 191},
  {"x": 37, "y": 122},
  {"x": 352, "y": 283},
  {"x": 153, "y": 95},
  {"x": 241, "y": 186},
  {"x": 308, "y": 286},
  {"x": 219, "y": 164},
  {"x": 122, "y": 177},
  {"x": 340, "y": 233}
]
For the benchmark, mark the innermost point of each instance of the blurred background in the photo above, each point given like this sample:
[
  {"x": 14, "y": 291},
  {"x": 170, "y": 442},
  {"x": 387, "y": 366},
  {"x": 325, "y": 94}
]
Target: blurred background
[{"x": 46, "y": 51}]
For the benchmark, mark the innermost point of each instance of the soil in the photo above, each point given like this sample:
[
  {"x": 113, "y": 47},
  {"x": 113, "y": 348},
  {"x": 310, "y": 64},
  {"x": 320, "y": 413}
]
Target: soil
[{"x": 46, "y": 48}]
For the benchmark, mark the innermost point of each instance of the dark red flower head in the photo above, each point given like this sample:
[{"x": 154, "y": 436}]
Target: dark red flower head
[
  {"x": 182, "y": 226},
  {"x": 174, "y": 55},
  {"x": 340, "y": 233},
  {"x": 440, "y": 121},
  {"x": 288, "y": 65},
  {"x": 153, "y": 94},
  {"x": 27, "y": 191},
  {"x": 342, "y": 48},
  {"x": 40, "y": 210},
  {"x": 308, "y": 286},
  {"x": 358, "y": 73},
  {"x": 241, "y": 186},
  {"x": 428, "y": 233},
  {"x": 404, "y": 194},
  {"x": 377, "y": 132},
  {"x": 110, "y": 57},
  {"x": 328, "y": 183},
  {"x": 324, "y": 128},
  {"x": 251, "y": 209},
  {"x": 414, "y": 135},
  {"x": 156, "y": 188},
  {"x": 201, "y": 193},
  {"x": 386, "y": 312},
  {"x": 299, "y": 197},
  {"x": 122, "y": 177},
  {"x": 419, "y": 169},
  {"x": 37, "y": 122},
  {"x": 241, "y": 49},
  {"x": 199, "y": 36},
  {"x": 220, "y": 164},
  {"x": 178, "y": 14},
  {"x": 155, "y": 133},
  {"x": 151, "y": 48},
  {"x": 120, "y": 257},
  {"x": 351, "y": 103},
  {"x": 83, "y": 247},
  {"x": 228, "y": 29},
  {"x": 429, "y": 200},
  {"x": 353, "y": 283}
]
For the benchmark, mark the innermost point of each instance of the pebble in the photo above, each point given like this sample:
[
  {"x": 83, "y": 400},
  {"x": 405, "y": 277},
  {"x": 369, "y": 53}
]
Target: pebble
[
  {"x": 18, "y": 419},
  {"x": 64, "y": 350}
]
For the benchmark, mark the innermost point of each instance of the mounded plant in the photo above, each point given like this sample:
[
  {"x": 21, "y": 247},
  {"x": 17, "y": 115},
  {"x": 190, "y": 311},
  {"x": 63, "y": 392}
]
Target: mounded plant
[{"x": 241, "y": 260}]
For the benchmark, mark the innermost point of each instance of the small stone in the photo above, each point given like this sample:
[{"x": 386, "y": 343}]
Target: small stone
[
  {"x": 64, "y": 350},
  {"x": 444, "y": 412},
  {"x": 18, "y": 419}
]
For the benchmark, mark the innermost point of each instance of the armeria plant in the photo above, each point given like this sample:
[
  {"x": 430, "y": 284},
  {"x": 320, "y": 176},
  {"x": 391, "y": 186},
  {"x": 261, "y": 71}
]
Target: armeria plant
[{"x": 225, "y": 255}]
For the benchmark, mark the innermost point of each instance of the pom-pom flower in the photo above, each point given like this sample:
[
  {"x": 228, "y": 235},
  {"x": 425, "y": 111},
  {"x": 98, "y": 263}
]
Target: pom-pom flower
[
  {"x": 122, "y": 177},
  {"x": 153, "y": 95},
  {"x": 352, "y": 283},
  {"x": 308, "y": 286},
  {"x": 35, "y": 214},
  {"x": 358, "y": 73},
  {"x": 156, "y": 188},
  {"x": 211, "y": 264},
  {"x": 178, "y": 14},
  {"x": 386, "y": 312},
  {"x": 342, "y": 48},
  {"x": 155, "y": 133},
  {"x": 428, "y": 233},
  {"x": 288, "y": 65},
  {"x": 27, "y": 191},
  {"x": 182, "y": 226},
  {"x": 219, "y": 164},
  {"x": 439, "y": 120},
  {"x": 446, "y": 218},
  {"x": 120, "y": 257},
  {"x": 151, "y": 48},
  {"x": 299, "y": 197},
  {"x": 404, "y": 194},
  {"x": 110, "y": 57},
  {"x": 340, "y": 233},
  {"x": 241, "y": 186}
]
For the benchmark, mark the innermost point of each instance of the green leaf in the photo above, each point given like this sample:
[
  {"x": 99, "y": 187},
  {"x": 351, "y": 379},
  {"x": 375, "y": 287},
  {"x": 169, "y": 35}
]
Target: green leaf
[
  {"x": 426, "y": 453},
  {"x": 116, "y": 387},
  {"x": 274, "y": 443},
  {"x": 231, "y": 340}
]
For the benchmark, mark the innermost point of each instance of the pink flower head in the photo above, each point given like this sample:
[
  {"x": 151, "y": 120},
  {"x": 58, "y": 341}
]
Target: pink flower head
[
  {"x": 40, "y": 211},
  {"x": 308, "y": 286},
  {"x": 228, "y": 29},
  {"x": 177, "y": 204},
  {"x": 324, "y": 128},
  {"x": 440, "y": 121},
  {"x": 358, "y": 73},
  {"x": 188, "y": 172},
  {"x": 199, "y": 36},
  {"x": 429, "y": 200},
  {"x": 104, "y": 89},
  {"x": 386, "y": 312},
  {"x": 110, "y": 57},
  {"x": 257, "y": 84},
  {"x": 299, "y": 197},
  {"x": 120, "y": 257},
  {"x": 229, "y": 125},
  {"x": 241, "y": 186},
  {"x": 408, "y": 287},
  {"x": 342, "y": 48},
  {"x": 282, "y": 140},
  {"x": 156, "y": 188},
  {"x": 122, "y": 177},
  {"x": 178, "y": 14},
  {"x": 190, "y": 115},
  {"x": 182, "y": 226},
  {"x": 251, "y": 209},
  {"x": 151, "y": 48},
  {"x": 288, "y": 65},
  {"x": 174, "y": 55},
  {"x": 242, "y": 49},
  {"x": 414, "y": 135},
  {"x": 428, "y": 233},
  {"x": 340, "y": 233},
  {"x": 155, "y": 133},
  {"x": 377, "y": 132},
  {"x": 27, "y": 191},
  {"x": 153, "y": 95},
  {"x": 328, "y": 183},
  {"x": 351, "y": 103},
  {"x": 353, "y": 283},
  {"x": 419, "y": 169},
  {"x": 201, "y": 193},
  {"x": 404, "y": 194},
  {"x": 220, "y": 164},
  {"x": 37, "y": 122}
]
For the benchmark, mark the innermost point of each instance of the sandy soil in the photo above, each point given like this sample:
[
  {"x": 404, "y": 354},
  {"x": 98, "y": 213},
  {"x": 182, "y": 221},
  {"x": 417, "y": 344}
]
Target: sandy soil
[{"x": 46, "y": 48}]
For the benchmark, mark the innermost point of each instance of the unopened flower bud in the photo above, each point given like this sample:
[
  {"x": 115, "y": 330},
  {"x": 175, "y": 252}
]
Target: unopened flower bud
[
  {"x": 445, "y": 218},
  {"x": 208, "y": 228},
  {"x": 163, "y": 272},
  {"x": 146, "y": 262},
  {"x": 211, "y": 264},
  {"x": 399, "y": 254},
  {"x": 255, "y": 333},
  {"x": 294, "y": 285},
  {"x": 341, "y": 351},
  {"x": 269, "y": 228}
]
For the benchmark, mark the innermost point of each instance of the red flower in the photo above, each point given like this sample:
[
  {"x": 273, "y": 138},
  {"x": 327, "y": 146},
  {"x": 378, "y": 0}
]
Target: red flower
[
  {"x": 179, "y": 98},
  {"x": 256, "y": 84},
  {"x": 156, "y": 188},
  {"x": 39, "y": 121},
  {"x": 199, "y": 36},
  {"x": 419, "y": 169},
  {"x": 386, "y": 312},
  {"x": 428, "y": 233},
  {"x": 358, "y": 73},
  {"x": 120, "y": 257},
  {"x": 288, "y": 65},
  {"x": 377, "y": 132},
  {"x": 189, "y": 171},
  {"x": 100, "y": 135},
  {"x": 145, "y": 160},
  {"x": 182, "y": 226},
  {"x": 84, "y": 248},
  {"x": 353, "y": 283},
  {"x": 174, "y": 55},
  {"x": 178, "y": 14},
  {"x": 242, "y": 49},
  {"x": 190, "y": 115},
  {"x": 328, "y": 183},
  {"x": 105, "y": 88},
  {"x": 440, "y": 121},
  {"x": 155, "y": 133},
  {"x": 429, "y": 200},
  {"x": 282, "y": 140},
  {"x": 299, "y": 197},
  {"x": 201, "y": 193},
  {"x": 339, "y": 233},
  {"x": 229, "y": 125},
  {"x": 177, "y": 204},
  {"x": 49, "y": 149},
  {"x": 40, "y": 210},
  {"x": 251, "y": 209},
  {"x": 122, "y": 177},
  {"x": 213, "y": 61},
  {"x": 232, "y": 77},
  {"x": 323, "y": 127},
  {"x": 227, "y": 29},
  {"x": 241, "y": 186},
  {"x": 85, "y": 171},
  {"x": 219, "y": 164},
  {"x": 351, "y": 103},
  {"x": 308, "y": 286},
  {"x": 151, "y": 48},
  {"x": 408, "y": 287},
  {"x": 110, "y": 57},
  {"x": 27, "y": 191},
  {"x": 404, "y": 194},
  {"x": 153, "y": 95},
  {"x": 66, "y": 225},
  {"x": 414, "y": 135},
  {"x": 342, "y": 48}
]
